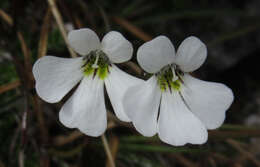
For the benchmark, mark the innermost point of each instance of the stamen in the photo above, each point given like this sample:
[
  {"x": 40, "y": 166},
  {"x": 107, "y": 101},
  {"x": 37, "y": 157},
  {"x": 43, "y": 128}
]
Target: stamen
[
  {"x": 95, "y": 65},
  {"x": 174, "y": 76},
  {"x": 169, "y": 79}
]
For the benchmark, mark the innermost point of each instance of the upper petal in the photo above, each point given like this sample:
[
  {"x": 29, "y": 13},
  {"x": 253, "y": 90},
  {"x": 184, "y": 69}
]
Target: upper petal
[
  {"x": 191, "y": 54},
  {"x": 117, "y": 83},
  {"x": 83, "y": 41},
  {"x": 85, "y": 109},
  {"x": 177, "y": 125},
  {"x": 155, "y": 54},
  {"x": 141, "y": 104},
  {"x": 117, "y": 48},
  {"x": 207, "y": 100},
  {"x": 55, "y": 76}
]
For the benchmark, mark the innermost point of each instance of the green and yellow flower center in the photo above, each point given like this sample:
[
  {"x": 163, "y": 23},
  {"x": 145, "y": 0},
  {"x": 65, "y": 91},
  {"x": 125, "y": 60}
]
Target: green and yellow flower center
[
  {"x": 168, "y": 80},
  {"x": 96, "y": 63}
]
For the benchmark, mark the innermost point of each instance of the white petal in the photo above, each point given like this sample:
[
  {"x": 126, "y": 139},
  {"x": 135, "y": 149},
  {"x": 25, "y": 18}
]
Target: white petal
[
  {"x": 117, "y": 48},
  {"x": 83, "y": 41},
  {"x": 86, "y": 110},
  {"x": 155, "y": 54},
  {"x": 141, "y": 103},
  {"x": 177, "y": 125},
  {"x": 191, "y": 54},
  {"x": 116, "y": 85},
  {"x": 208, "y": 100},
  {"x": 55, "y": 76}
]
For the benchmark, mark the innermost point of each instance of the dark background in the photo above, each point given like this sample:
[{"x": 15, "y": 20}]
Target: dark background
[{"x": 230, "y": 29}]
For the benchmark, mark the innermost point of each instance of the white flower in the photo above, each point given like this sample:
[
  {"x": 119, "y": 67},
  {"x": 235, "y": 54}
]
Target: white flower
[
  {"x": 172, "y": 103},
  {"x": 85, "y": 109}
]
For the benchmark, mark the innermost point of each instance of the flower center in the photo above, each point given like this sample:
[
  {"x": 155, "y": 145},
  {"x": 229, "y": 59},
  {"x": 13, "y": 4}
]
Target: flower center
[
  {"x": 96, "y": 63},
  {"x": 168, "y": 80}
]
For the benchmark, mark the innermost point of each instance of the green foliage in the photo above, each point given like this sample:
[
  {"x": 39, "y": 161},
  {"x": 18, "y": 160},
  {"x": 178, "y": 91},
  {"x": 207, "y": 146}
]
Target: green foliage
[
  {"x": 8, "y": 73},
  {"x": 55, "y": 40},
  {"x": 4, "y": 4},
  {"x": 32, "y": 160},
  {"x": 7, "y": 123}
]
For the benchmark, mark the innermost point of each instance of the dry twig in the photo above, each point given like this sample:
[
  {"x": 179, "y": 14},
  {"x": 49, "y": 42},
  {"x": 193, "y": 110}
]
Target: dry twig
[
  {"x": 26, "y": 51},
  {"x": 62, "y": 140},
  {"x": 6, "y": 17},
  {"x": 42, "y": 49},
  {"x": 184, "y": 161},
  {"x": 236, "y": 145},
  {"x": 60, "y": 23},
  {"x": 132, "y": 28},
  {"x": 9, "y": 86}
]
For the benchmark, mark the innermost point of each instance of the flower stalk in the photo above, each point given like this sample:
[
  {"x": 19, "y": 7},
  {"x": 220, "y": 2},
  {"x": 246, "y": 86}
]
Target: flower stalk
[{"x": 108, "y": 151}]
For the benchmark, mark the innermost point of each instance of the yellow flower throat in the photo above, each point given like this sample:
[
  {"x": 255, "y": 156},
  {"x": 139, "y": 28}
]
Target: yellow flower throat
[
  {"x": 96, "y": 63},
  {"x": 168, "y": 80}
]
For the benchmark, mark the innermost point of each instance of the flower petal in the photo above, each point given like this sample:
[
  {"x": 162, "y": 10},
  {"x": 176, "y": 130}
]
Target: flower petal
[
  {"x": 191, "y": 54},
  {"x": 207, "y": 100},
  {"x": 155, "y": 54},
  {"x": 177, "y": 125},
  {"x": 141, "y": 104},
  {"x": 86, "y": 110},
  {"x": 117, "y": 48},
  {"x": 83, "y": 41},
  {"x": 55, "y": 76},
  {"x": 117, "y": 83}
]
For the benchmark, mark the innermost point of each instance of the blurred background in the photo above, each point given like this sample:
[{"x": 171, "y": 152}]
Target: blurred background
[{"x": 32, "y": 136}]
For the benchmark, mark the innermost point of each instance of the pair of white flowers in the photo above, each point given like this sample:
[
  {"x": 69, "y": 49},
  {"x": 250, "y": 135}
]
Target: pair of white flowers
[{"x": 172, "y": 103}]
